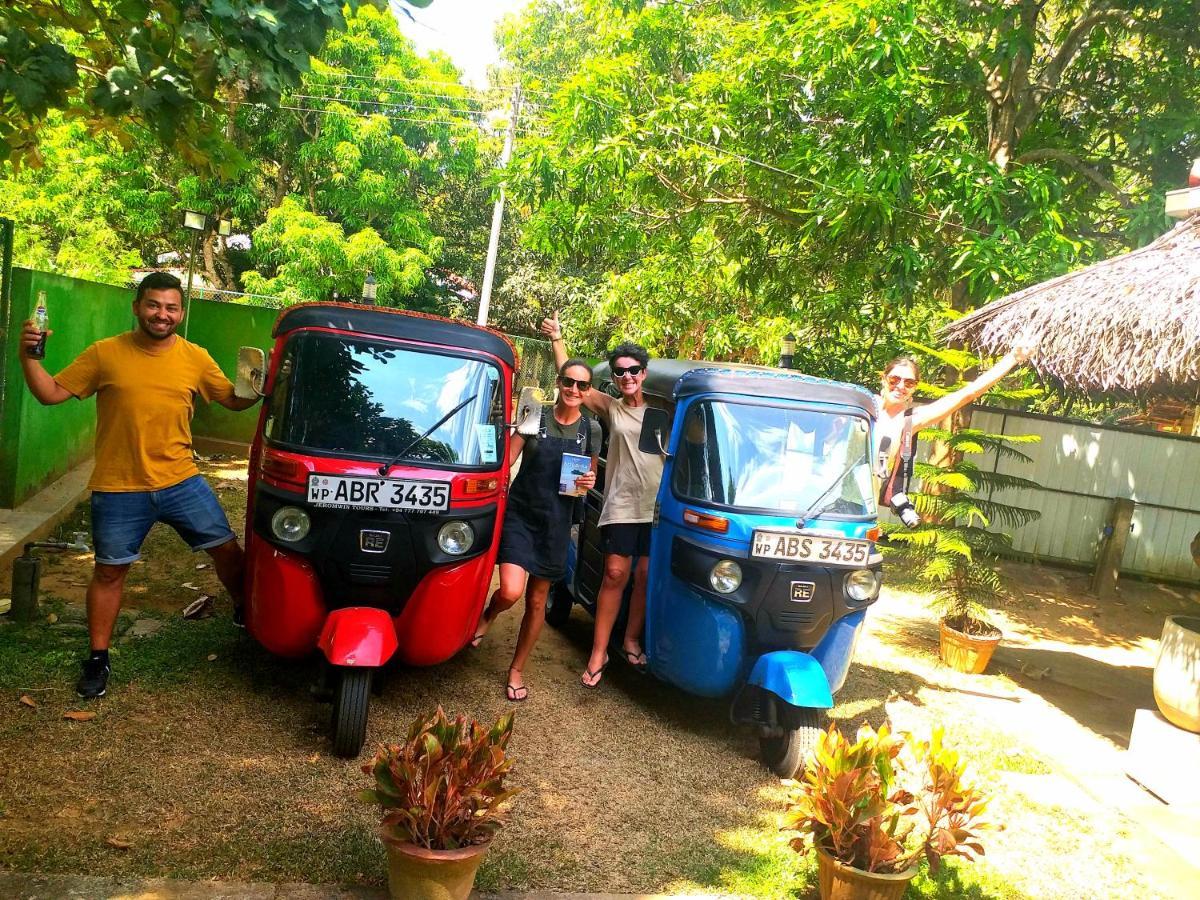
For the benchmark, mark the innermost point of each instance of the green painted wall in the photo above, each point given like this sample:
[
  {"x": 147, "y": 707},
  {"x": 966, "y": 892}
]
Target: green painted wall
[
  {"x": 41, "y": 443},
  {"x": 221, "y": 328}
]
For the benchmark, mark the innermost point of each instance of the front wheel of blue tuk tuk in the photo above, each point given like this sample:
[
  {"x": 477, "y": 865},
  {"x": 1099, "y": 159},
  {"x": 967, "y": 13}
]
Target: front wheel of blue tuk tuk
[
  {"x": 351, "y": 702},
  {"x": 786, "y": 749}
]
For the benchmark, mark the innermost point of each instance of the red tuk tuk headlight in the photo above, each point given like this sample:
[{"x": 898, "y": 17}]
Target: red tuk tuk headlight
[
  {"x": 290, "y": 523},
  {"x": 455, "y": 538},
  {"x": 725, "y": 577}
]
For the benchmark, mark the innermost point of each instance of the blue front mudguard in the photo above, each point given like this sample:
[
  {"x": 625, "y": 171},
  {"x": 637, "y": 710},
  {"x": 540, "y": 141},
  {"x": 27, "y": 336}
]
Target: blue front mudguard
[
  {"x": 809, "y": 679},
  {"x": 794, "y": 677}
]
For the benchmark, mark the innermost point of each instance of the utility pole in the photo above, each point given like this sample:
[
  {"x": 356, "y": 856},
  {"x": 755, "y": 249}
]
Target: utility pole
[{"x": 489, "y": 268}]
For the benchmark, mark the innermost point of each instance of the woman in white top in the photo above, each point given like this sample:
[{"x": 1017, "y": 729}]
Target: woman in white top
[
  {"x": 900, "y": 378},
  {"x": 631, "y": 482}
]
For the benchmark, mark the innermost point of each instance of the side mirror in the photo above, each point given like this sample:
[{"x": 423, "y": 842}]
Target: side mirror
[
  {"x": 529, "y": 411},
  {"x": 656, "y": 431},
  {"x": 251, "y": 373}
]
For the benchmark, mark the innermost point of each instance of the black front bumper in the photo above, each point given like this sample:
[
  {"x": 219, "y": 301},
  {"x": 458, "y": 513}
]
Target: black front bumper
[{"x": 349, "y": 572}]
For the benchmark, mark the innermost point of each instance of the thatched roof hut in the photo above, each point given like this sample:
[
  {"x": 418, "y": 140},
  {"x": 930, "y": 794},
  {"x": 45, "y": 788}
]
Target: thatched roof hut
[{"x": 1129, "y": 325}]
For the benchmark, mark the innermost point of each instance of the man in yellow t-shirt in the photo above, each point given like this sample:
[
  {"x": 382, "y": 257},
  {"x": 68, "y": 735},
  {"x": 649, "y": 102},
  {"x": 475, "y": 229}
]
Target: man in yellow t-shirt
[{"x": 146, "y": 382}]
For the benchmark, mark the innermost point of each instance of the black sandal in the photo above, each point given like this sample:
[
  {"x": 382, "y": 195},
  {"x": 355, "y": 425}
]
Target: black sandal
[
  {"x": 598, "y": 674},
  {"x": 516, "y": 693},
  {"x": 637, "y": 660}
]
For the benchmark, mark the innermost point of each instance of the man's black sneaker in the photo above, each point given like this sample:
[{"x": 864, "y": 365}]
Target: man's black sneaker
[
  {"x": 239, "y": 615},
  {"x": 94, "y": 680}
]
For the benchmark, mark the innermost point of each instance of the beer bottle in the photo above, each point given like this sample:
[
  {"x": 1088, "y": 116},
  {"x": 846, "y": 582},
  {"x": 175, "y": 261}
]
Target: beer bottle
[{"x": 41, "y": 322}]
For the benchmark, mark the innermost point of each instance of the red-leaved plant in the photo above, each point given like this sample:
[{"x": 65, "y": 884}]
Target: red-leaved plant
[
  {"x": 853, "y": 803},
  {"x": 442, "y": 788}
]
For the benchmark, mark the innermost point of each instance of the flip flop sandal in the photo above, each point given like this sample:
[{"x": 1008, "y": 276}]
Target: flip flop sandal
[
  {"x": 516, "y": 693},
  {"x": 637, "y": 660},
  {"x": 476, "y": 641},
  {"x": 588, "y": 673}
]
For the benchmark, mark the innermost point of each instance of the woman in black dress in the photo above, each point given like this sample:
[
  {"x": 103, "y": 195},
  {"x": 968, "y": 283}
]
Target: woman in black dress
[{"x": 537, "y": 524}]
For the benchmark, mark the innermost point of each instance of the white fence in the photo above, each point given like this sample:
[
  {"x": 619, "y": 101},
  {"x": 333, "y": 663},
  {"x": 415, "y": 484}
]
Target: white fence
[{"x": 1081, "y": 468}]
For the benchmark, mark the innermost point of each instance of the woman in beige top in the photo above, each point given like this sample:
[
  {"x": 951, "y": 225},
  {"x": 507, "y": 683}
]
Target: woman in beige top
[{"x": 630, "y": 489}]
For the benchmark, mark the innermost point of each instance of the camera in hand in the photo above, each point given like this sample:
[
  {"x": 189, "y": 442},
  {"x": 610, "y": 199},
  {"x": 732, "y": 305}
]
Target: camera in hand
[{"x": 904, "y": 509}]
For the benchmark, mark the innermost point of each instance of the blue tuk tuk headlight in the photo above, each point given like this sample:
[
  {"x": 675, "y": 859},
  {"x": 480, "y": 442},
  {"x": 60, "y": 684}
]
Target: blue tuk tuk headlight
[
  {"x": 455, "y": 538},
  {"x": 862, "y": 585},
  {"x": 290, "y": 524},
  {"x": 725, "y": 577}
]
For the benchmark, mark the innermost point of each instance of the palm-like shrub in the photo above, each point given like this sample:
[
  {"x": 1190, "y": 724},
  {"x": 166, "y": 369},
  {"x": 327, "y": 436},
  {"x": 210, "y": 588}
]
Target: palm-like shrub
[
  {"x": 953, "y": 550},
  {"x": 963, "y": 523}
]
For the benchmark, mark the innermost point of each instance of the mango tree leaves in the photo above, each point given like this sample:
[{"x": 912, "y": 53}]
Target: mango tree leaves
[{"x": 163, "y": 66}]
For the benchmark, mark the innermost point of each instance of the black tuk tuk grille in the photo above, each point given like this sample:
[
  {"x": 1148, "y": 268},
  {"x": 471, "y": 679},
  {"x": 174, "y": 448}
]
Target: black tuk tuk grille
[{"x": 348, "y": 575}]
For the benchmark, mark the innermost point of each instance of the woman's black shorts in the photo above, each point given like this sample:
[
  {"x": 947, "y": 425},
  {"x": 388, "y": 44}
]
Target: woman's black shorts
[{"x": 626, "y": 538}]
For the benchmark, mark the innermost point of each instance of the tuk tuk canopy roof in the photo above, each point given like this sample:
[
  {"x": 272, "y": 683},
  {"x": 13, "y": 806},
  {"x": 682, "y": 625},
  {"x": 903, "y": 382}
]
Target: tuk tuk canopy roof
[
  {"x": 677, "y": 378},
  {"x": 396, "y": 323}
]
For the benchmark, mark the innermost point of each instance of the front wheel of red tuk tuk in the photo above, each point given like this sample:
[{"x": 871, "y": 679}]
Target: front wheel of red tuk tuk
[
  {"x": 351, "y": 702},
  {"x": 787, "y": 750}
]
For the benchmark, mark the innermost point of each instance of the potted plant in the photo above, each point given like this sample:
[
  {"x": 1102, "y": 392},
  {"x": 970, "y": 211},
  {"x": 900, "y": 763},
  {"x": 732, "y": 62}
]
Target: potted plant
[
  {"x": 953, "y": 547},
  {"x": 441, "y": 792},
  {"x": 872, "y": 809}
]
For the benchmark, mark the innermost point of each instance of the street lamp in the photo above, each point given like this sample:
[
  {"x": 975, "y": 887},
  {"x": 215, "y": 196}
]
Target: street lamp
[
  {"x": 787, "y": 350},
  {"x": 224, "y": 228},
  {"x": 370, "y": 289},
  {"x": 195, "y": 222}
]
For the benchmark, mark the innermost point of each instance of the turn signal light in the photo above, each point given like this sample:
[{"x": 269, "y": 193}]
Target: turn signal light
[
  {"x": 705, "y": 521},
  {"x": 874, "y": 533},
  {"x": 480, "y": 485},
  {"x": 282, "y": 469}
]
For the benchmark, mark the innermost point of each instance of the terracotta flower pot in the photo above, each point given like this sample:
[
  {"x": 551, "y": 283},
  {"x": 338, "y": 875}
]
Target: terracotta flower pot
[
  {"x": 1177, "y": 672},
  {"x": 967, "y": 652},
  {"x": 415, "y": 873},
  {"x": 839, "y": 881}
]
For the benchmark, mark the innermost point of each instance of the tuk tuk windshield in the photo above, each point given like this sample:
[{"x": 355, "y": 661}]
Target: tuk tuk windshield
[
  {"x": 775, "y": 458},
  {"x": 369, "y": 398}
]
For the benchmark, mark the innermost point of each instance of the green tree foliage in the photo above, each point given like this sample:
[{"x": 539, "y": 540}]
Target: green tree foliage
[
  {"x": 849, "y": 171},
  {"x": 364, "y": 164},
  {"x": 312, "y": 257},
  {"x": 159, "y": 66}
]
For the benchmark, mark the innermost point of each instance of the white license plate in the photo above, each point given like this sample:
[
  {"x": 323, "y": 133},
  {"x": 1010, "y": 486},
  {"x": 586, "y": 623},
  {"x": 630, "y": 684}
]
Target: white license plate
[
  {"x": 358, "y": 492},
  {"x": 796, "y": 547}
]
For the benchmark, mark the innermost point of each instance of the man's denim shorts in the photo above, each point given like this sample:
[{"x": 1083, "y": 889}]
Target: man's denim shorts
[{"x": 121, "y": 520}]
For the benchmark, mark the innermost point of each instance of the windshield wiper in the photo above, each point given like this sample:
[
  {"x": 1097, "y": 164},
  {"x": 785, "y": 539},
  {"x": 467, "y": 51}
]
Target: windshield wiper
[
  {"x": 387, "y": 467},
  {"x": 808, "y": 513}
]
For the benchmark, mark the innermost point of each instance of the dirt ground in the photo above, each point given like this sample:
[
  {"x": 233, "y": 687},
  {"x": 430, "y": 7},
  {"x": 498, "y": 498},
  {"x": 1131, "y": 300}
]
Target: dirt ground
[{"x": 209, "y": 758}]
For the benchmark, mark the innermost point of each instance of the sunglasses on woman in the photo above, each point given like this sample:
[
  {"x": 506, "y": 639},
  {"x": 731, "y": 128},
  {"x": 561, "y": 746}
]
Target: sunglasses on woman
[
  {"x": 896, "y": 381},
  {"x": 620, "y": 371},
  {"x": 582, "y": 383}
]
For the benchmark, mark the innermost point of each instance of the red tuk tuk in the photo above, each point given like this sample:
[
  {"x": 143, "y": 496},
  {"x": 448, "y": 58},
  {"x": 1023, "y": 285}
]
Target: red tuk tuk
[{"x": 378, "y": 481}]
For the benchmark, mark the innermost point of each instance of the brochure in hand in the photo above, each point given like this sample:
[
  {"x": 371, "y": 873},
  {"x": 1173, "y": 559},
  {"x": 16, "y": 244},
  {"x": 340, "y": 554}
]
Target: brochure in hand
[{"x": 573, "y": 465}]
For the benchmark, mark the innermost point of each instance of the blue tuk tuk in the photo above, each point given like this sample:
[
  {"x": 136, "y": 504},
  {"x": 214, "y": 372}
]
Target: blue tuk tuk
[{"x": 763, "y": 557}]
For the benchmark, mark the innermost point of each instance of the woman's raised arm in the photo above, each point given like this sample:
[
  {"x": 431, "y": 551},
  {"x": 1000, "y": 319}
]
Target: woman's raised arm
[{"x": 924, "y": 416}]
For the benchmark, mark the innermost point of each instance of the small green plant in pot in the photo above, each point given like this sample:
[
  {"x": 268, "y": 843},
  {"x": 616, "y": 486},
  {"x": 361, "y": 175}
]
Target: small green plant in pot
[
  {"x": 872, "y": 808},
  {"x": 953, "y": 549},
  {"x": 441, "y": 792}
]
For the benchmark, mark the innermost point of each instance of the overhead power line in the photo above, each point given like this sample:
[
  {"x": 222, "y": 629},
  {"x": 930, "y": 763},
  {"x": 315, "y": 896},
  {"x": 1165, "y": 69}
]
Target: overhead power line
[
  {"x": 420, "y": 82},
  {"x": 345, "y": 113}
]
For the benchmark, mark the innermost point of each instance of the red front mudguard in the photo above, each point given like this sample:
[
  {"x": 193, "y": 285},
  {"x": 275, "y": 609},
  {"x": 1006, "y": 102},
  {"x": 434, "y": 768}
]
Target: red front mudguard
[{"x": 358, "y": 636}]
